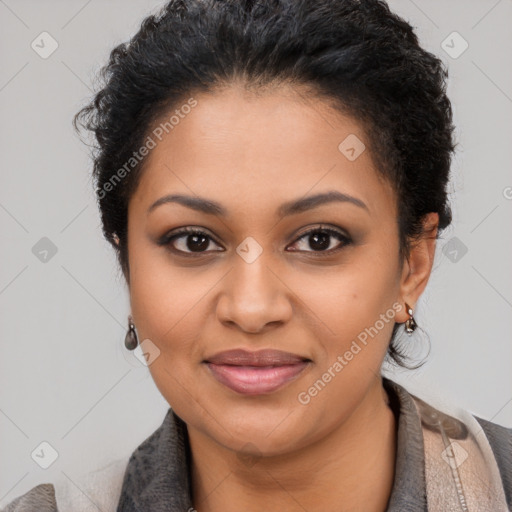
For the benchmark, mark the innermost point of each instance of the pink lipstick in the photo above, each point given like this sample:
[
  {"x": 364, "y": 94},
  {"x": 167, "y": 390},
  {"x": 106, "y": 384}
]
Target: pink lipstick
[{"x": 255, "y": 373}]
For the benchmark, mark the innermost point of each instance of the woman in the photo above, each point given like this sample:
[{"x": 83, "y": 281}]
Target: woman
[{"x": 272, "y": 176}]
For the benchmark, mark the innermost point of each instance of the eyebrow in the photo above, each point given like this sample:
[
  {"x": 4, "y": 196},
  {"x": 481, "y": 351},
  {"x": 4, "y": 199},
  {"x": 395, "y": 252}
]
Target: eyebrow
[{"x": 209, "y": 207}]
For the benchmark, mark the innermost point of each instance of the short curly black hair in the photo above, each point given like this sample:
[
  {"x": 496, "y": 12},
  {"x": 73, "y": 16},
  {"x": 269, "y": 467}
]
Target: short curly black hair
[{"x": 356, "y": 54}]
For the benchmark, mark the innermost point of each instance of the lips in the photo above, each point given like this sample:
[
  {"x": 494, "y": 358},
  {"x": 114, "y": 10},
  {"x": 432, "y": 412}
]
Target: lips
[{"x": 255, "y": 373}]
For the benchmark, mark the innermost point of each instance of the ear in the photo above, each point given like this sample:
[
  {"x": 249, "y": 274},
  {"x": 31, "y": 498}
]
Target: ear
[{"x": 418, "y": 265}]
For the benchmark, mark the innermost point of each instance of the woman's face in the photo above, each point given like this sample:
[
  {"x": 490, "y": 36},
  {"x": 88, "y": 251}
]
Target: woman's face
[{"x": 254, "y": 279}]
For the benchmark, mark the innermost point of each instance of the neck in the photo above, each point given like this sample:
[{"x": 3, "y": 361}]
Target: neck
[{"x": 350, "y": 469}]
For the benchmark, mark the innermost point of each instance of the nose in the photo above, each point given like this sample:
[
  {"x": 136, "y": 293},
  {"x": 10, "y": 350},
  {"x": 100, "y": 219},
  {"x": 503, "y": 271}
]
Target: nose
[{"x": 253, "y": 297}]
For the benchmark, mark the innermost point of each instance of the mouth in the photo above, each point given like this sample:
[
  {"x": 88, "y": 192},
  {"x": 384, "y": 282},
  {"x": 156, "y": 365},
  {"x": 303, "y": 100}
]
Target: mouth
[{"x": 256, "y": 373}]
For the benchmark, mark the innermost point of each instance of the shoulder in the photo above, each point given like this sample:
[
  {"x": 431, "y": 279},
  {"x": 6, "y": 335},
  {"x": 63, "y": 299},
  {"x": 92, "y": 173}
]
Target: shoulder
[
  {"x": 494, "y": 441},
  {"x": 40, "y": 498},
  {"x": 96, "y": 490},
  {"x": 500, "y": 439},
  {"x": 498, "y": 436}
]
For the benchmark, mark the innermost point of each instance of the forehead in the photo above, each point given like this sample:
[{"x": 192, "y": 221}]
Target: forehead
[{"x": 253, "y": 151}]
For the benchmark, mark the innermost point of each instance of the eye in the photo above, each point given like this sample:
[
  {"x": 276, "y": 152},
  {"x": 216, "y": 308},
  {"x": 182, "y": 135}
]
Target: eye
[
  {"x": 188, "y": 241},
  {"x": 319, "y": 239}
]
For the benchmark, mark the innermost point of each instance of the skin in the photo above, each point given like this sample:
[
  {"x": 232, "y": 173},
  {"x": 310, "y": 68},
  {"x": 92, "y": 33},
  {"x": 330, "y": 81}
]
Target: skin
[{"x": 251, "y": 153}]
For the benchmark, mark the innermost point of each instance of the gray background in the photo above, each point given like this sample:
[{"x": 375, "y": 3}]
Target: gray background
[{"x": 65, "y": 376}]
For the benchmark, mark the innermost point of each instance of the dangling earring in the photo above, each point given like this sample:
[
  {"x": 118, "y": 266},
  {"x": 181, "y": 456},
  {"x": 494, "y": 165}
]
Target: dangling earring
[
  {"x": 131, "y": 340},
  {"x": 410, "y": 323}
]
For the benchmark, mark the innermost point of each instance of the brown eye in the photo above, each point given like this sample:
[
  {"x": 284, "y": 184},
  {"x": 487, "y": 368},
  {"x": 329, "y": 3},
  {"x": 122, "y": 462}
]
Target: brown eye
[
  {"x": 188, "y": 240},
  {"x": 321, "y": 240}
]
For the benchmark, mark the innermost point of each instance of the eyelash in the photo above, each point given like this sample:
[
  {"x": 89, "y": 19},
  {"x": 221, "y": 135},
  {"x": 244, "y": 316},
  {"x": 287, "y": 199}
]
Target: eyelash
[{"x": 168, "y": 239}]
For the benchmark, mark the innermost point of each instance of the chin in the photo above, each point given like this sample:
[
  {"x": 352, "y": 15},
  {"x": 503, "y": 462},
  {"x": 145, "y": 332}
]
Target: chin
[{"x": 260, "y": 432}]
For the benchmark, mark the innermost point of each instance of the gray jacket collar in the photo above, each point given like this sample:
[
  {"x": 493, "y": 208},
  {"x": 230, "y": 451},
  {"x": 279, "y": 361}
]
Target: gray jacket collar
[{"x": 157, "y": 476}]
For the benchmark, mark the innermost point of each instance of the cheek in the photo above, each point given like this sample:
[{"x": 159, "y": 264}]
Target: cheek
[
  {"x": 348, "y": 301},
  {"x": 170, "y": 308},
  {"x": 172, "y": 317},
  {"x": 168, "y": 313},
  {"x": 162, "y": 294},
  {"x": 356, "y": 305}
]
